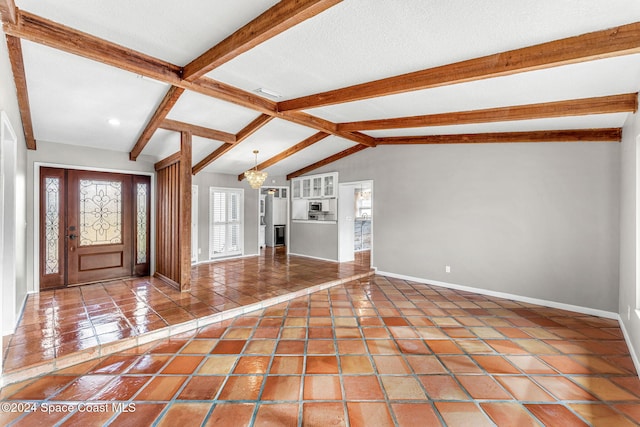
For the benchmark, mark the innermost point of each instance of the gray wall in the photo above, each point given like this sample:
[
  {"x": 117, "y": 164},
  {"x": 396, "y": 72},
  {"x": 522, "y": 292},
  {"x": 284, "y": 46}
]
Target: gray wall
[
  {"x": 205, "y": 180},
  {"x": 629, "y": 291},
  {"x": 9, "y": 103},
  {"x": 535, "y": 220},
  {"x": 80, "y": 157},
  {"x": 314, "y": 240}
]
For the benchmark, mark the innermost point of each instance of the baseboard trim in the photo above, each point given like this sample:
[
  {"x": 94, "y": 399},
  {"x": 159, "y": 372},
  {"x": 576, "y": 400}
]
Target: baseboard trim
[
  {"x": 546, "y": 303},
  {"x": 209, "y": 261},
  {"x": 632, "y": 352},
  {"x": 314, "y": 257}
]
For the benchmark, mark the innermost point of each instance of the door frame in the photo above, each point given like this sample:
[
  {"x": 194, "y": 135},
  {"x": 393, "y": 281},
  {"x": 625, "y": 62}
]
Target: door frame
[
  {"x": 195, "y": 252},
  {"x": 36, "y": 212},
  {"x": 346, "y": 250}
]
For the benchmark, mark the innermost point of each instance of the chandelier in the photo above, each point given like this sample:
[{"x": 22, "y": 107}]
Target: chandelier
[{"x": 254, "y": 176}]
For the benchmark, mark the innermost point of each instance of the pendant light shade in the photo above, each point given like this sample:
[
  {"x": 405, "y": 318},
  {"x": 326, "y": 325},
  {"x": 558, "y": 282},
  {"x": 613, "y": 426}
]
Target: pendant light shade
[{"x": 254, "y": 176}]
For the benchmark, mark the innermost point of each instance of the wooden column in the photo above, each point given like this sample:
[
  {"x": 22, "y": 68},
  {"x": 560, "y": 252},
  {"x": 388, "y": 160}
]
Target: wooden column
[
  {"x": 185, "y": 211},
  {"x": 173, "y": 240}
]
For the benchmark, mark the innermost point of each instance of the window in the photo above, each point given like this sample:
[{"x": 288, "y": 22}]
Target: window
[{"x": 226, "y": 222}]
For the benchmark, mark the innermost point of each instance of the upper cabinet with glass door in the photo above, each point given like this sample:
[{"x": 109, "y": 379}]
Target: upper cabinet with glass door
[
  {"x": 323, "y": 186},
  {"x": 328, "y": 187}
]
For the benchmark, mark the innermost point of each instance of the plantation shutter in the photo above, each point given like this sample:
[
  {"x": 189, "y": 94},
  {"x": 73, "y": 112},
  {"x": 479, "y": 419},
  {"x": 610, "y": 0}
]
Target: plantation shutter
[{"x": 225, "y": 236}]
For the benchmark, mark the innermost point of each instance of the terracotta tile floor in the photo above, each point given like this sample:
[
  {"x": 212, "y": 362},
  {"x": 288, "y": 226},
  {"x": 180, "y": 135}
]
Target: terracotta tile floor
[
  {"x": 81, "y": 322},
  {"x": 371, "y": 352}
]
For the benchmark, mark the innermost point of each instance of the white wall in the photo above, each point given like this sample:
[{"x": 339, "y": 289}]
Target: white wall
[
  {"x": 18, "y": 289},
  {"x": 629, "y": 297},
  {"x": 534, "y": 220}
]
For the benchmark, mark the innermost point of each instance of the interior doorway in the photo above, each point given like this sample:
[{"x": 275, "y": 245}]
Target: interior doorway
[
  {"x": 94, "y": 226},
  {"x": 355, "y": 220},
  {"x": 273, "y": 217}
]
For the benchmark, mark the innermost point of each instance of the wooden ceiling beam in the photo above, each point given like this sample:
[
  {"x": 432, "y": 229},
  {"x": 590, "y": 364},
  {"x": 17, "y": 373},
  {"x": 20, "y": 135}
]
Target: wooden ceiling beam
[
  {"x": 14, "y": 46},
  {"x": 168, "y": 161},
  {"x": 43, "y": 31},
  {"x": 200, "y": 131},
  {"x": 576, "y": 107},
  {"x": 225, "y": 92},
  {"x": 40, "y": 30},
  {"x": 578, "y": 135},
  {"x": 277, "y": 19},
  {"x": 289, "y": 151},
  {"x": 618, "y": 41},
  {"x": 211, "y": 157},
  {"x": 323, "y": 125},
  {"x": 324, "y": 162},
  {"x": 246, "y": 132},
  {"x": 8, "y": 11},
  {"x": 167, "y": 103},
  {"x": 252, "y": 127}
]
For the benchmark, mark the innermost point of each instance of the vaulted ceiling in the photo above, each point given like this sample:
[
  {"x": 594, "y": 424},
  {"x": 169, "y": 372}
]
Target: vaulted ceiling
[{"x": 308, "y": 81}]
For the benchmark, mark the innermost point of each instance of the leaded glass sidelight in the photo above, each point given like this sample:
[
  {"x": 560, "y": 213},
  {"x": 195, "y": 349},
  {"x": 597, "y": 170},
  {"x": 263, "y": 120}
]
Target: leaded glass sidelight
[
  {"x": 100, "y": 212},
  {"x": 142, "y": 191},
  {"x": 52, "y": 225}
]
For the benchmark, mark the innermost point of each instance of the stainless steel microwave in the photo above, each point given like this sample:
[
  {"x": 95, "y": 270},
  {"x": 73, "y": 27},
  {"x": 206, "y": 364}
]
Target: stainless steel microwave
[{"x": 315, "y": 206}]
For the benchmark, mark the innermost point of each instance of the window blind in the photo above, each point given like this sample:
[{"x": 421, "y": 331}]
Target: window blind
[{"x": 226, "y": 222}]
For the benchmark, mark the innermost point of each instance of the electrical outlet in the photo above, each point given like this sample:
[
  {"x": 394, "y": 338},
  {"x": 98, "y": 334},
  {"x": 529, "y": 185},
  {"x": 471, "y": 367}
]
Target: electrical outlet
[
  {"x": 199, "y": 251},
  {"x": 447, "y": 269}
]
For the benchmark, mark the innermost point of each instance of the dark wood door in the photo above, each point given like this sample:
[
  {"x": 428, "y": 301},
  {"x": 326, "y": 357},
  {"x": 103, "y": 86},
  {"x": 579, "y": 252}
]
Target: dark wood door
[{"x": 94, "y": 226}]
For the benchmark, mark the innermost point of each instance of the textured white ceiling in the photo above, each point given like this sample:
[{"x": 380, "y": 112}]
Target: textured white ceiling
[
  {"x": 353, "y": 42},
  {"x": 363, "y": 40}
]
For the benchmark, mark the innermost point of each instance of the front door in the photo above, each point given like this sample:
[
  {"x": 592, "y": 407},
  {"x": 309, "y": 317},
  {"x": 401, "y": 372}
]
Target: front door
[{"x": 94, "y": 226}]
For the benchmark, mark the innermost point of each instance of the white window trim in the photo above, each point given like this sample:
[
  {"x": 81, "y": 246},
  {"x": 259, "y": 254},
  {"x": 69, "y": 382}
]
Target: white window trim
[{"x": 227, "y": 190}]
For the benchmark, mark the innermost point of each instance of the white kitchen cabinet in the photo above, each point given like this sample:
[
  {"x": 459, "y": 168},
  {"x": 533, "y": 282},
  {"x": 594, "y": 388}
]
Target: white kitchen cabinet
[
  {"x": 328, "y": 185},
  {"x": 296, "y": 188},
  {"x": 306, "y": 188},
  {"x": 315, "y": 186}
]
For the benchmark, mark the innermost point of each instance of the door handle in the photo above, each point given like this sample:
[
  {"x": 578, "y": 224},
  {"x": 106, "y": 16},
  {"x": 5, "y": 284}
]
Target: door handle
[{"x": 72, "y": 236}]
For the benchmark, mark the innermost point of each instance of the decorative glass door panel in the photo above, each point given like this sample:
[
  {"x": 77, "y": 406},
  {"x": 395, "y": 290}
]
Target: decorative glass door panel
[
  {"x": 100, "y": 212},
  {"x": 52, "y": 227}
]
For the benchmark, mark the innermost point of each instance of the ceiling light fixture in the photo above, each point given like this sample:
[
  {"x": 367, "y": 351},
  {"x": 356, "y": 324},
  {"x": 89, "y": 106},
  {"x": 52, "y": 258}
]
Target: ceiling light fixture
[
  {"x": 254, "y": 176},
  {"x": 114, "y": 122},
  {"x": 268, "y": 93}
]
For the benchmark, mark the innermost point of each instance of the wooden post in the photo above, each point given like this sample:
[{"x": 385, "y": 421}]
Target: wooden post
[{"x": 184, "y": 232}]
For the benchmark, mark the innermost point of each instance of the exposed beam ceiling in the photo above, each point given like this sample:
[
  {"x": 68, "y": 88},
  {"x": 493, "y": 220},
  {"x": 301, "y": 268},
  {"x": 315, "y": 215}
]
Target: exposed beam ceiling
[
  {"x": 40, "y": 30},
  {"x": 324, "y": 162},
  {"x": 245, "y": 133},
  {"x": 576, "y": 107},
  {"x": 167, "y": 103},
  {"x": 253, "y": 127},
  {"x": 618, "y": 41},
  {"x": 290, "y": 151},
  {"x": 623, "y": 40},
  {"x": 279, "y": 18},
  {"x": 588, "y": 135},
  {"x": 14, "y": 46},
  {"x": 200, "y": 131}
]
